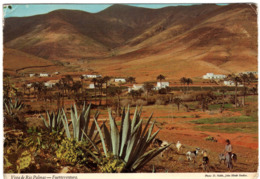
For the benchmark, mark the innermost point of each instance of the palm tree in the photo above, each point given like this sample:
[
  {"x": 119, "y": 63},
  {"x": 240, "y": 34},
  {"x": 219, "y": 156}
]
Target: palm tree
[
  {"x": 94, "y": 80},
  {"x": 245, "y": 80},
  {"x": 183, "y": 81},
  {"x": 106, "y": 79},
  {"x": 236, "y": 80},
  {"x": 24, "y": 88},
  {"x": 148, "y": 86},
  {"x": 160, "y": 78},
  {"x": 130, "y": 79},
  {"x": 188, "y": 81},
  {"x": 100, "y": 85},
  {"x": 82, "y": 82},
  {"x": 117, "y": 91},
  {"x": 177, "y": 101},
  {"x": 223, "y": 91},
  {"x": 34, "y": 85}
]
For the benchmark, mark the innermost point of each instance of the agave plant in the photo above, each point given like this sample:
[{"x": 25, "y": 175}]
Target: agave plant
[
  {"x": 11, "y": 108},
  {"x": 53, "y": 121},
  {"x": 131, "y": 142},
  {"x": 80, "y": 124}
]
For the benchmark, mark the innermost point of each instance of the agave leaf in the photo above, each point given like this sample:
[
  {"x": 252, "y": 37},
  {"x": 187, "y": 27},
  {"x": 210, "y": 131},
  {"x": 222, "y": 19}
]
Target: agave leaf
[
  {"x": 44, "y": 120},
  {"x": 147, "y": 124},
  {"x": 132, "y": 141},
  {"x": 125, "y": 130},
  {"x": 101, "y": 137},
  {"x": 134, "y": 119},
  {"x": 93, "y": 144},
  {"x": 65, "y": 124},
  {"x": 87, "y": 117},
  {"x": 147, "y": 157},
  {"x": 114, "y": 134},
  {"x": 147, "y": 143},
  {"x": 150, "y": 130},
  {"x": 107, "y": 137},
  {"x": 121, "y": 127}
]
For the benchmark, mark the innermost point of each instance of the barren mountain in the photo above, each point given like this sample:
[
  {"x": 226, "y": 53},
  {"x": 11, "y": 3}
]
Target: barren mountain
[{"x": 212, "y": 38}]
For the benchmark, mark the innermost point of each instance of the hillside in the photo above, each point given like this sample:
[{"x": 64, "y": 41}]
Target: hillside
[
  {"x": 16, "y": 60},
  {"x": 171, "y": 40}
]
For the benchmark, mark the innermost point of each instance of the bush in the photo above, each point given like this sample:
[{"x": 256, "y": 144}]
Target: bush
[
  {"x": 160, "y": 102},
  {"x": 71, "y": 152},
  {"x": 140, "y": 102},
  {"x": 126, "y": 102}
]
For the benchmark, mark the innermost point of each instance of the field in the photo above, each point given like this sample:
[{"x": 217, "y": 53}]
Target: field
[{"x": 191, "y": 126}]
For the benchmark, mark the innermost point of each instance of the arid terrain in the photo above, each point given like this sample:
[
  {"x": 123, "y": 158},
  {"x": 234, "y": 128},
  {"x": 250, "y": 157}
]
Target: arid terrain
[
  {"x": 64, "y": 58},
  {"x": 123, "y": 40}
]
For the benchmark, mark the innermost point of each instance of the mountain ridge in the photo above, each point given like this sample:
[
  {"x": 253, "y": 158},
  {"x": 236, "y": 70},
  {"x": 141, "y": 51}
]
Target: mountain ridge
[{"x": 221, "y": 36}]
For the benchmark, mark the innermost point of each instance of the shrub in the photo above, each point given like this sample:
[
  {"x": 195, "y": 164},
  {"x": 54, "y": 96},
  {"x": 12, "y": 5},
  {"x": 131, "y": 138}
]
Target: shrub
[
  {"x": 160, "y": 102},
  {"x": 141, "y": 102},
  {"x": 126, "y": 102},
  {"x": 72, "y": 152}
]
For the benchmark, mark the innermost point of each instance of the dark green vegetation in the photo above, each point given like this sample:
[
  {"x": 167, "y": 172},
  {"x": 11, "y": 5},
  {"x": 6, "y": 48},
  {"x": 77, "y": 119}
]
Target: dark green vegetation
[
  {"x": 236, "y": 119},
  {"x": 244, "y": 128}
]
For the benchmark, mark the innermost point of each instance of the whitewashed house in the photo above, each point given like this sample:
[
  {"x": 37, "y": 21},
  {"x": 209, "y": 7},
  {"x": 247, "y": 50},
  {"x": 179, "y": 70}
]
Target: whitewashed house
[
  {"x": 91, "y": 86},
  {"x": 161, "y": 85},
  {"x": 31, "y": 74},
  {"x": 122, "y": 80},
  {"x": 92, "y": 76},
  {"x": 229, "y": 83},
  {"x": 29, "y": 85},
  {"x": 136, "y": 87},
  {"x": 56, "y": 73},
  {"x": 51, "y": 83},
  {"x": 43, "y": 74},
  {"x": 213, "y": 76}
]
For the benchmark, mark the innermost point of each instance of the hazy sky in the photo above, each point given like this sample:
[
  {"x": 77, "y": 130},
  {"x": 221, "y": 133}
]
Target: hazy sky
[{"x": 20, "y": 10}]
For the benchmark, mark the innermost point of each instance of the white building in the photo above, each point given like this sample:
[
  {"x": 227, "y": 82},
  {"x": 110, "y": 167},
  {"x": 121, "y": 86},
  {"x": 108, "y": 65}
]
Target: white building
[
  {"x": 56, "y": 73},
  {"x": 213, "y": 76},
  {"x": 43, "y": 74},
  {"x": 51, "y": 83},
  {"x": 91, "y": 86},
  {"x": 161, "y": 85},
  {"x": 91, "y": 76},
  {"x": 122, "y": 80},
  {"x": 229, "y": 83},
  {"x": 31, "y": 74},
  {"x": 29, "y": 85},
  {"x": 136, "y": 87}
]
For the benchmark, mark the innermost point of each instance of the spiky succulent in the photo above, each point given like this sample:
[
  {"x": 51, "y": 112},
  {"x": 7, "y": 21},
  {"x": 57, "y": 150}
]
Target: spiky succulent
[
  {"x": 12, "y": 107},
  {"x": 80, "y": 124},
  {"x": 53, "y": 121},
  {"x": 130, "y": 142}
]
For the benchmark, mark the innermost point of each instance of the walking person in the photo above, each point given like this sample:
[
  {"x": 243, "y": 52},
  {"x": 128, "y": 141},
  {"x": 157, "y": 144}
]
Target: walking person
[{"x": 228, "y": 153}]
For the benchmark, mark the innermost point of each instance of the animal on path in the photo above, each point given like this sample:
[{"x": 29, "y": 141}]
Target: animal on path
[{"x": 191, "y": 155}]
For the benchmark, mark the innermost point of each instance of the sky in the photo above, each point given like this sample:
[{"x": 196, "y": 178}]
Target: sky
[{"x": 21, "y": 10}]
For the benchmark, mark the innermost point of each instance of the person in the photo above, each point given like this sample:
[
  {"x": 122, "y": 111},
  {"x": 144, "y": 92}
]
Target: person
[{"x": 228, "y": 153}]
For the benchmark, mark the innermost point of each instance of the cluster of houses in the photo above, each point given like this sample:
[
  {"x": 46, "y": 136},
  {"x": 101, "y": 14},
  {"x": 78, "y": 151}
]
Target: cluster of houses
[
  {"x": 158, "y": 86},
  {"x": 43, "y": 74},
  {"x": 212, "y": 76}
]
